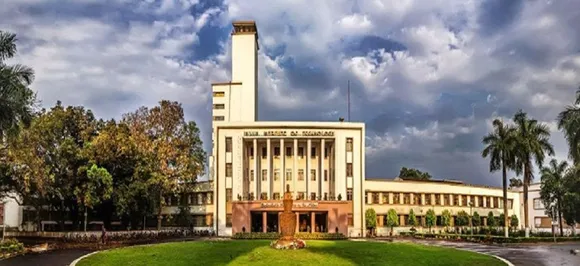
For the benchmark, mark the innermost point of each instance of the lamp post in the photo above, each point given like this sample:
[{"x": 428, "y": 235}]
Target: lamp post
[{"x": 471, "y": 217}]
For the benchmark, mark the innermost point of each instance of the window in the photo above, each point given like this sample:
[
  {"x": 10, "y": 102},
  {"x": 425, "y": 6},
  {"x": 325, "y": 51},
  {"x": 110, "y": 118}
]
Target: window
[
  {"x": 446, "y": 200},
  {"x": 312, "y": 174},
  {"x": 228, "y": 144},
  {"x": 437, "y": 199},
  {"x": 538, "y": 204},
  {"x": 325, "y": 152},
  {"x": 375, "y": 198},
  {"x": 219, "y": 94},
  {"x": 406, "y": 199},
  {"x": 251, "y": 152},
  {"x": 543, "y": 222},
  {"x": 276, "y": 151},
  {"x": 228, "y": 194},
  {"x": 464, "y": 200},
  {"x": 276, "y": 196},
  {"x": 510, "y": 203},
  {"x": 219, "y": 106},
  {"x": 199, "y": 199},
  {"x": 228, "y": 220},
  {"x": 367, "y": 198},
  {"x": 252, "y": 175},
  {"x": 264, "y": 174},
  {"x": 209, "y": 198},
  {"x": 264, "y": 196},
  {"x": 276, "y": 174},
  {"x": 264, "y": 152},
  {"x": 228, "y": 170},
  {"x": 417, "y": 200},
  {"x": 487, "y": 202},
  {"x": 396, "y": 198},
  {"x": 288, "y": 151},
  {"x": 455, "y": 200},
  {"x": 349, "y": 144},
  {"x": 480, "y": 201},
  {"x": 288, "y": 174},
  {"x": 313, "y": 152},
  {"x": 427, "y": 199},
  {"x": 349, "y": 194},
  {"x": 312, "y": 196},
  {"x": 301, "y": 152},
  {"x": 349, "y": 169},
  {"x": 300, "y": 195},
  {"x": 300, "y": 174},
  {"x": 385, "y": 198},
  {"x": 218, "y": 118},
  {"x": 325, "y": 196},
  {"x": 325, "y": 175}
]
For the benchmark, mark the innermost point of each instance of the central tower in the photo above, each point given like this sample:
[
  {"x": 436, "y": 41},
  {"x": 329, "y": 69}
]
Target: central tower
[{"x": 245, "y": 70}]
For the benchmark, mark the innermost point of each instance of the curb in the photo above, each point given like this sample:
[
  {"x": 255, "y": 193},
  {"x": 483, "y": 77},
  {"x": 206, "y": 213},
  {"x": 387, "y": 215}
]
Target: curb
[{"x": 82, "y": 257}]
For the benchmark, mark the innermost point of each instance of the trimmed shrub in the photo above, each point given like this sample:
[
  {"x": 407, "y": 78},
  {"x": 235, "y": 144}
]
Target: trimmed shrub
[
  {"x": 10, "y": 246},
  {"x": 495, "y": 239}
]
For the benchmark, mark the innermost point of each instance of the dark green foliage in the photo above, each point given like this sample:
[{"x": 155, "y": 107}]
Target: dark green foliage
[{"x": 413, "y": 174}]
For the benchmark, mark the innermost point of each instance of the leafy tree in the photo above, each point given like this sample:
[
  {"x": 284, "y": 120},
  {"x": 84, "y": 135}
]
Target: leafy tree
[
  {"x": 97, "y": 186},
  {"x": 430, "y": 218},
  {"x": 491, "y": 220},
  {"x": 462, "y": 219},
  {"x": 446, "y": 218},
  {"x": 569, "y": 123},
  {"x": 514, "y": 222},
  {"x": 501, "y": 220},
  {"x": 412, "y": 221},
  {"x": 515, "y": 182},
  {"x": 183, "y": 216},
  {"x": 475, "y": 219},
  {"x": 553, "y": 189},
  {"x": 171, "y": 148},
  {"x": 500, "y": 145},
  {"x": 413, "y": 174},
  {"x": 392, "y": 219},
  {"x": 571, "y": 200},
  {"x": 371, "y": 218},
  {"x": 533, "y": 143},
  {"x": 16, "y": 98}
]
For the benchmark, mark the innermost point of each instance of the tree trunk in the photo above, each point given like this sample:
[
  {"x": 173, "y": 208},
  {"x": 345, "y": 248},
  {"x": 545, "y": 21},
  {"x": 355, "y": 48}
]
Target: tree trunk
[
  {"x": 505, "y": 200},
  {"x": 560, "y": 219},
  {"x": 527, "y": 174},
  {"x": 159, "y": 217},
  {"x": 85, "y": 226},
  {"x": 62, "y": 218}
]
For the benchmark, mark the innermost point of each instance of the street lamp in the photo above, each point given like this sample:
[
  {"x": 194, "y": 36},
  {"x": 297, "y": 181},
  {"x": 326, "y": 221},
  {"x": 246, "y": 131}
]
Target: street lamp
[{"x": 471, "y": 217}]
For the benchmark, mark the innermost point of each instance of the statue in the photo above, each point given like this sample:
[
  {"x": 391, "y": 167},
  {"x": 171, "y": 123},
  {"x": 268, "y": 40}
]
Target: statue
[{"x": 288, "y": 226}]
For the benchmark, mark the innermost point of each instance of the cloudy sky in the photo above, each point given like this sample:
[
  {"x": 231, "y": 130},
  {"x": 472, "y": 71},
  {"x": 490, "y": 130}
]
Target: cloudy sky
[{"x": 427, "y": 77}]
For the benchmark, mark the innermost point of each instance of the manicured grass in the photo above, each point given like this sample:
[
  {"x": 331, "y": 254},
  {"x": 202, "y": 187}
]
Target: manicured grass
[{"x": 258, "y": 252}]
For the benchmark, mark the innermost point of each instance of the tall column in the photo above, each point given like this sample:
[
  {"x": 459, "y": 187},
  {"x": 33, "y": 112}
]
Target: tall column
[
  {"x": 312, "y": 222},
  {"x": 269, "y": 169},
  {"x": 321, "y": 184},
  {"x": 297, "y": 222},
  {"x": 264, "y": 222},
  {"x": 332, "y": 172},
  {"x": 422, "y": 198},
  {"x": 308, "y": 167},
  {"x": 257, "y": 157},
  {"x": 294, "y": 170},
  {"x": 460, "y": 200},
  {"x": 282, "y": 168}
]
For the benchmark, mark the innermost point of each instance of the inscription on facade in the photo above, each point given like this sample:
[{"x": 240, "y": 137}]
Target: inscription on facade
[
  {"x": 295, "y": 205},
  {"x": 294, "y": 133}
]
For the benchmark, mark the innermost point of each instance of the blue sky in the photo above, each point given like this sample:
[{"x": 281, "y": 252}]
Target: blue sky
[{"x": 427, "y": 77}]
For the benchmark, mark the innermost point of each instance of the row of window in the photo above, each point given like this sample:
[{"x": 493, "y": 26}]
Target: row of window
[
  {"x": 199, "y": 198},
  {"x": 250, "y": 176},
  {"x": 278, "y": 196},
  {"x": 219, "y": 93},
  {"x": 288, "y": 149},
  {"x": 416, "y": 199}
]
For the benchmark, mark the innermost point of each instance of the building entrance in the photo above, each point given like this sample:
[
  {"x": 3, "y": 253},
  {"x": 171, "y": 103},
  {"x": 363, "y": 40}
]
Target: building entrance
[
  {"x": 256, "y": 220},
  {"x": 272, "y": 222}
]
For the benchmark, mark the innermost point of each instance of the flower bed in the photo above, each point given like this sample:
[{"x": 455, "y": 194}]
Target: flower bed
[
  {"x": 10, "y": 247},
  {"x": 306, "y": 236}
]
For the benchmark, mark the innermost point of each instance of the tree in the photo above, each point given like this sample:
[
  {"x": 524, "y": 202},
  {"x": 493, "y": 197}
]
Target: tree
[
  {"x": 413, "y": 174},
  {"x": 412, "y": 221},
  {"x": 499, "y": 147},
  {"x": 571, "y": 200},
  {"x": 491, "y": 221},
  {"x": 430, "y": 219},
  {"x": 462, "y": 219},
  {"x": 171, "y": 148},
  {"x": 475, "y": 219},
  {"x": 553, "y": 189},
  {"x": 569, "y": 123},
  {"x": 392, "y": 219},
  {"x": 97, "y": 186},
  {"x": 446, "y": 218},
  {"x": 515, "y": 182},
  {"x": 514, "y": 222},
  {"x": 16, "y": 98},
  {"x": 501, "y": 220},
  {"x": 371, "y": 219},
  {"x": 533, "y": 143}
]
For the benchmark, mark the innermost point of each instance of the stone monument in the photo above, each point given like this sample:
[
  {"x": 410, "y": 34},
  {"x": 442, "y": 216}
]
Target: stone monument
[{"x": 288, "y": 226}]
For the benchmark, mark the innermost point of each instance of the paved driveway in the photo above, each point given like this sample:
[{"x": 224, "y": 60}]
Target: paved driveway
[
  {"x": 544, "y": 254},
  {"x": 49, "y": 258}
]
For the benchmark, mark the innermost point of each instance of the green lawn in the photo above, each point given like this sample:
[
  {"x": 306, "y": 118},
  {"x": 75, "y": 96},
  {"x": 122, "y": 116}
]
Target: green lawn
[{"x": 258, "y": 252}]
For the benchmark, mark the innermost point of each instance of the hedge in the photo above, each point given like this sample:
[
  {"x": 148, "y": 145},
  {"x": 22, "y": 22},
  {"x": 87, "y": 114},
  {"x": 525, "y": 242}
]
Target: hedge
[
  {"x": 305, "y": 236},
  {"x": 131, "y": 236},
  {"x": 492, "y": 239},
  {"x": 10, "y": 247}
]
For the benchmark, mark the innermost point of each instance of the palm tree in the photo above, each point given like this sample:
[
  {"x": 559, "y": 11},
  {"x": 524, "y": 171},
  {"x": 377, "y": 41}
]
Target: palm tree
[
  {"x": 499, "y": 147},
  {"x": 553, "y": 188},
  {"x": 569, "y": 123},
  {"x": 533, "y": 143},
  {"x": 16, "y": 98}
]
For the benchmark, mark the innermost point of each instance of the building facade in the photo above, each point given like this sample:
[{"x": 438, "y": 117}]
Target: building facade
[{"x": 538, "y": 219}]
